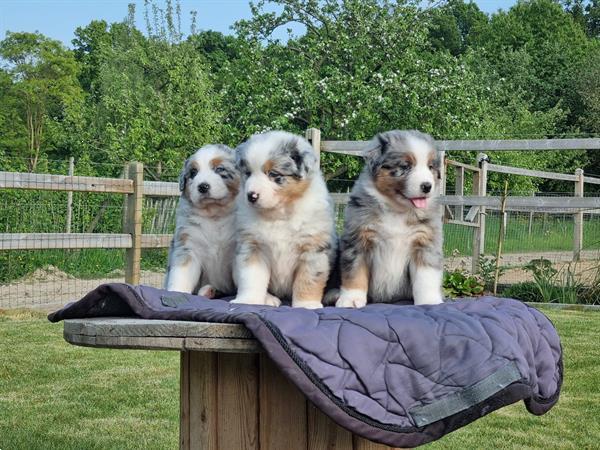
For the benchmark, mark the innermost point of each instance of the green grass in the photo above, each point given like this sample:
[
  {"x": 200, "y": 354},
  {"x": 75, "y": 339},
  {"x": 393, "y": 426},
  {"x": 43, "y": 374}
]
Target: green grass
[
  {"x": 57, "y": 396},
  {"x": 85, "y": 264},
  {"x": 556, "y": 234}
]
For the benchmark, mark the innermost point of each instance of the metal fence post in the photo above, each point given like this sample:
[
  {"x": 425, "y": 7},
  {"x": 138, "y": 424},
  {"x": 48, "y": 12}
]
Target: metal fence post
[
  {"x": 133, "y": 223},
  {"x": 480, "y": 188},
  {"x": 578, "y": 217},
  {"x": 70, "y": 196},
  {"x": 313, "y": 135}
]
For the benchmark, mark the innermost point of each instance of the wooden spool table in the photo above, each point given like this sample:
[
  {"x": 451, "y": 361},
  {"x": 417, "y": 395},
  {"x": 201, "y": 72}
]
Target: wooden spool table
[{"x": 232, "y": 396}]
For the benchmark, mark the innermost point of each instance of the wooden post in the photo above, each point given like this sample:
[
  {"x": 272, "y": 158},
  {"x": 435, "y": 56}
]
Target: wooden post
[
  {"x": 443, "y": 177},
  {"x": 480, "y": 188},
  {"x": 459, "y": 212},
  {"x": 578, "y": 217},
  {"x": 133, "y": 223},
  {"x": 313, "y": 135},
  {"x": 530, "y": 219},
  {"x": 70, "y": 196}
]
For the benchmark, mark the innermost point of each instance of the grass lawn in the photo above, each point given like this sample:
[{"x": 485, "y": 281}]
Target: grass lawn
[{"x": 57, "y": 396}]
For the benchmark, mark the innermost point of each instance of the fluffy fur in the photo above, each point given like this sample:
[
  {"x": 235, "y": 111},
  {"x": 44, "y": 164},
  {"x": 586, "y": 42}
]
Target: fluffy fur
[
  {"x": 285, "y": 227},
  {"x": 391, "y": 247},
  {"x": 203, "y": 247}
]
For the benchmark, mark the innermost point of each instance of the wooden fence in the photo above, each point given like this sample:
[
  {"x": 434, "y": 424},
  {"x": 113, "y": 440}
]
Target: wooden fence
[{"x": 135, "y": 188}]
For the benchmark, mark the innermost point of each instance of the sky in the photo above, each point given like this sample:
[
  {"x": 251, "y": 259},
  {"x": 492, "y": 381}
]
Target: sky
[{"x": 58, "y": 19}]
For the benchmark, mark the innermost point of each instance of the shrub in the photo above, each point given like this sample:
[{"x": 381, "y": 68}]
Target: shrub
[{"x": 460, "y": 284}]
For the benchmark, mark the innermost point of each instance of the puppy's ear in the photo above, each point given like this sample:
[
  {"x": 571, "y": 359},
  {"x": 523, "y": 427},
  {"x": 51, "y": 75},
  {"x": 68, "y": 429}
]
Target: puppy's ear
[
  {"x": 240, "y": 152},
  {"x": 303, "y": 156},
  {"x": 375, "y": 149},
  {"x": 183, "y": 176},
  {"x": 228, "y": 150}
]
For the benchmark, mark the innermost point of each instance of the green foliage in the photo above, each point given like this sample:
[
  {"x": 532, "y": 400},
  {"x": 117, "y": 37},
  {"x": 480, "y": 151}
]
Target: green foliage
[
  {"x": 554, "y": 285},
  {"x": 526, "y": 291},
  {"x": 487, "y": 270},
  {"x": 40, "y": 89},
  {"x": 360, "y": 67},
  {"x": 461, "y": 284}
]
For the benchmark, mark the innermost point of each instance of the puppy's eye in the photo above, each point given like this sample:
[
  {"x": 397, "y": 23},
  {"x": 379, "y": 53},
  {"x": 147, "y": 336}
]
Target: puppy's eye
[
  {"x": 387, "y": 167},
  {"x": 247, "y": 173},
  {"x": 404, "y": 167},
  {"x": 276, "y": 177},
  {"x": 193, "y": 173},
  {"x": 220, "y": 169}
]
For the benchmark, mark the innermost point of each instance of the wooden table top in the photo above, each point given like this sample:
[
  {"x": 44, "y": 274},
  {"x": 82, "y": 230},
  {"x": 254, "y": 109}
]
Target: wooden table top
[{"x": 132, "y": 333}]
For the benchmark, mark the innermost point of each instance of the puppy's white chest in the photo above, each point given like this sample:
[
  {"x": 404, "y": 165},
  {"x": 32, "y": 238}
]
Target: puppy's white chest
[{"x": 389, "y": 260}]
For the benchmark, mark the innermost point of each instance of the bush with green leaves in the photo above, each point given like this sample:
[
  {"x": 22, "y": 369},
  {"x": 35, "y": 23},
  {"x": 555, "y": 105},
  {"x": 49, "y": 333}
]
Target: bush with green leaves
[{"x": 461, "y": 284}]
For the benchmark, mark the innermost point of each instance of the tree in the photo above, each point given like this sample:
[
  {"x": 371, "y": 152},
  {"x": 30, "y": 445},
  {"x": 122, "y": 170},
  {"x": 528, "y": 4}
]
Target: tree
[
  {"x": 150, "y": 98},
  {"x": 364, "y": 67},
  {"x": 550, "y": 44},
  {"x": 44, "y": 84},
  {"x": 455, "y": 25}
]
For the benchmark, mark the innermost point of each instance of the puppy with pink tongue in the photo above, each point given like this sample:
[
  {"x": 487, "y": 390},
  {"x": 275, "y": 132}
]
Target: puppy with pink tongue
[{"x": 391, "y": 247}]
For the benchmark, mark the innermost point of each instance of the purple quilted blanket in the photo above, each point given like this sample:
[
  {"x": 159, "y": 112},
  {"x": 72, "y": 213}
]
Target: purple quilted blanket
[{"x": 401, "y": 375}]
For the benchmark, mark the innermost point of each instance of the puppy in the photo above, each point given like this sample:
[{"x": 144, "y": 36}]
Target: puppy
[
  {"x": 391, "y": 247},
  {"x": 203, "y": 247},
  {"x": 285, "y": 227}
]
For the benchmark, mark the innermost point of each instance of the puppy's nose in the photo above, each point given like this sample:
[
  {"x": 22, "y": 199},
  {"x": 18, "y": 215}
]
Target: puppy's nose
[
  {"x": 426, "y": 187},
  {"x": 203, "y": 188},
  {"x": 252, "y": 197}
]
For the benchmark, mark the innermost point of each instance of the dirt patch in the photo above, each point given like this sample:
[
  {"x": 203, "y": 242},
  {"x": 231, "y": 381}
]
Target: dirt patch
[{"x": 49, "y": 288}]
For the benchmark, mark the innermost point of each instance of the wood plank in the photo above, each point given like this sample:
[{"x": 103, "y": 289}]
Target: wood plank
[
  {"x": 223, "y": 345},
  {"x": 339, "y": 198},
  {"x": 282, "y": 410},
  {"x": 313, "y": 135},
  {"x": 480, "y": 189},
  {"x": 161, "y": 189},
  {"x": 463, "y": 165},
  {"x": 462, "y": 222},
  {"x": 355, "y": 147},
  {"x": 591, "y": 180},
  {"x": 238, "y": 402},
  {"x": 133, "y": 224},
  {"x": 39, "y": 181},
  {"x": 531, "y": 173},
  {"x": 134, "y": 343},
  {"x": 359, "y": 443},
  {"x": 184, "y": 401},
  {"x": 460, "y": 190},
  {"x": 126, "y": 326},
  {"x": 324, "y": 433},
  {"x": 203, "y": 401},
  {"x": 520, "y": 144},
  {"x": 578, "y": 217},
  {"x": 156, "y": 240},
  {"x": 42, "y": 241},
  {"x": 524, "y": 202}
]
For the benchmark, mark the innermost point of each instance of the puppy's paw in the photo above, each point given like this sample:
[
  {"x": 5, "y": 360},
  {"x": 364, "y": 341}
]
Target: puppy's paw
[
  {"x": 352, "y": 298},
  {"x": 271, "y": 300},
  {"x": 268, "y": 299},
  {"x": 428, "y": 300},
  {"x": 308, "y": 304},
  {"x": 207, "y": 291}
]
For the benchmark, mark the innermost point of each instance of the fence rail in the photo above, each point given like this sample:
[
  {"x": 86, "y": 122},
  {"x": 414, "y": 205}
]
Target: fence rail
[
  {"x": 356, "y": 147},
  {"x": 135, "y": 188}
]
